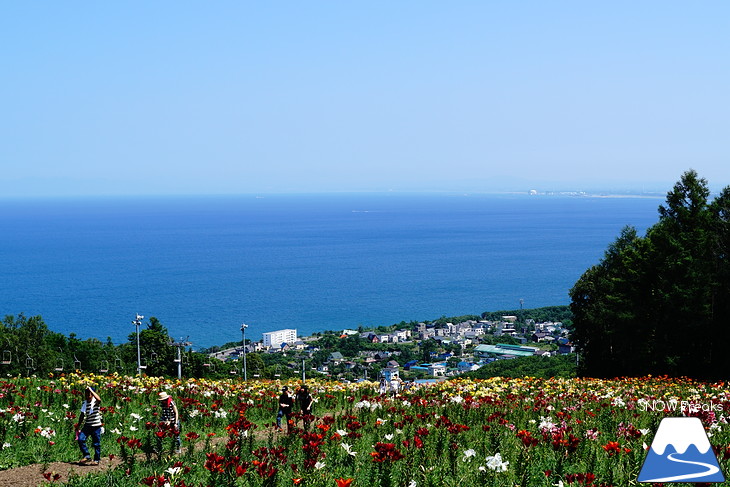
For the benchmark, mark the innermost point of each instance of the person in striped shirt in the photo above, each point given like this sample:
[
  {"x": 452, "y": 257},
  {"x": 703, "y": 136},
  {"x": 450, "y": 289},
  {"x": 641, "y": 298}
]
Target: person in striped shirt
[{"x": 90, "y": 425}]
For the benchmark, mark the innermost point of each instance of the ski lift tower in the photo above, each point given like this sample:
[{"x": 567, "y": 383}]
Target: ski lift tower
[
  {"x": 29, "y": 364},
  {"x": 137, "y": 322},
  {"x": 180, "y": 345},
  {"x": 243, "y": 342}
]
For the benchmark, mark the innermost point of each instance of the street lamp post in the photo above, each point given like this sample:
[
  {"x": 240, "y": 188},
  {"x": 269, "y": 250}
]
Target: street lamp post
[
  {"x": 137, "y": 322},
  {"x": 243, "y": 341}
]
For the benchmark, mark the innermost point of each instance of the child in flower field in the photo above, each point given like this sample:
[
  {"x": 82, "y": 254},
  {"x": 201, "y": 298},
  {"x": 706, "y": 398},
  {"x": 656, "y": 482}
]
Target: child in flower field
[
  {"x": 170, "y": 415},
  {"x": 90, "y": 425}
]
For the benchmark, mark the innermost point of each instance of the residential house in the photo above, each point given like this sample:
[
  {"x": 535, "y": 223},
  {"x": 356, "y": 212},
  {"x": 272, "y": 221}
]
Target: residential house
[
  {"x": 436, "y": 369},
  {"x": 541, "y": 336},
  {"x": 403, "y": 335},
  {"x": 410, "y": 364},
  {"x": 471, "y": 336},
  {"x": 427, "y": 333},
  {"x": 565, "y": 348},
  {"x": 466, "y": 367},
  {"x": 371, "y": 337},
  {"x": 505, "y": 329}
]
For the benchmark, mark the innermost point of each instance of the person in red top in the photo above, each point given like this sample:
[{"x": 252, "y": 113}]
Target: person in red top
[{"x": 170, "y": 415}]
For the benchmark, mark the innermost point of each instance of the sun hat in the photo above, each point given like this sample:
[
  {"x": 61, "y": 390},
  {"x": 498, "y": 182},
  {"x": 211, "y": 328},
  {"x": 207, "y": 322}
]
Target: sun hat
[{"x": 162, "y": 396}]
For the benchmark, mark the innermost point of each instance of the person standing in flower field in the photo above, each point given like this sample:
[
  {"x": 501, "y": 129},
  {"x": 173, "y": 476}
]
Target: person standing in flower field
[
  {"x": 305, "y": 401},
  {"x": 170, "y": 416},
  {"x": 286, "y": 403},
  {"x": 383, "y": 387},
  {"x": 90, "y": 425},
  {"x": 395, "y": 385}
]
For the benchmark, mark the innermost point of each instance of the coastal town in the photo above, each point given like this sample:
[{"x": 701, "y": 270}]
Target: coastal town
[{"x": 431, "y": 351}]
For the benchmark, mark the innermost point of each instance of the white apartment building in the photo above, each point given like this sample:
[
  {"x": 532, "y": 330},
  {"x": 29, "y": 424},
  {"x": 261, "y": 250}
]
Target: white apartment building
[{"x": 276, "y": 338}]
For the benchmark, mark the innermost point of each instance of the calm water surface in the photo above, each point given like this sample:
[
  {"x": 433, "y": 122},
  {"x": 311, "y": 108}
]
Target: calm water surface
[{"x": 204, "y": 265}]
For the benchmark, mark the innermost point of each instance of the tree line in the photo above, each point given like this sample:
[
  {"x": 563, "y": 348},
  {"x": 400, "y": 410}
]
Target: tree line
[
  {"x": 29, "y": 347},
  {"x": 660, "y": 303}
]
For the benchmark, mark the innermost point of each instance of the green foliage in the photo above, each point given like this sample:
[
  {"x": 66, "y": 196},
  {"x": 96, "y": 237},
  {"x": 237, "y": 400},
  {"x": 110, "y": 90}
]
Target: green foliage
[
  {"x": 658, "y": 304},
  {"x": 543, "y": 367},
  {"x": 28, "y": 347},
  {"x": 155, "y": 349},
  {"x": 426, "y": 348}
]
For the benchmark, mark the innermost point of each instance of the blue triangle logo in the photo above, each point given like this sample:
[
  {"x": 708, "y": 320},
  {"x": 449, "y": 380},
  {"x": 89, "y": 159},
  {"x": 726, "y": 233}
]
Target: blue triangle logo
[{"x": 681, "y": 452}]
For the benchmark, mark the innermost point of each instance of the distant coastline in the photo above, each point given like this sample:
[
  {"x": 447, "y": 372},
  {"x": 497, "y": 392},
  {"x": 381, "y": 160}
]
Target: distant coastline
[{"x": 9, "y": 197}]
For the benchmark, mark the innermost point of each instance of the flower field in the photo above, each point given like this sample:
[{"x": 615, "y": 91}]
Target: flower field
[{"x": 502, "y": 432}]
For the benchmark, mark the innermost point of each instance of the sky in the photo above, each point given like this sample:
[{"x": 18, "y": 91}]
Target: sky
[{"x": 227, "y": 97}]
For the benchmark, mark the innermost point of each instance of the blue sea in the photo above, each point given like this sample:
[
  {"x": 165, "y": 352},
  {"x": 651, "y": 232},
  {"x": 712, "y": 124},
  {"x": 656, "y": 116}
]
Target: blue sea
[{"x": 205, "y": 265}]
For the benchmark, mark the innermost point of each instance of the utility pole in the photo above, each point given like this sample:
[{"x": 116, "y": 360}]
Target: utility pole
[
  {"x": 180, "y": 345},
  {"x": 137, "y": 322}
]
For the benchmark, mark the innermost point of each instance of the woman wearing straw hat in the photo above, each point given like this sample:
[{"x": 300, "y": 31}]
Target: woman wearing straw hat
[
  {"x": 170, "y": 416},
  {"x": 90, "y": 425}
]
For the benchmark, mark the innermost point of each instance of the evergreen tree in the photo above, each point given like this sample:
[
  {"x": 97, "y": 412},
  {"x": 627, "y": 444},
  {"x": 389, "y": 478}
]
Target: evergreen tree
[
  {"x": 682, "y": 264},
  {"x": 606, "y": 312},
  {"x": 659, "y": 304},
  {"x": 720, "y": 295}
]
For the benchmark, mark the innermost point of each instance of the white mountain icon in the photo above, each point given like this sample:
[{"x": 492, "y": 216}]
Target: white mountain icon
[{"x": 680, "y": 433}]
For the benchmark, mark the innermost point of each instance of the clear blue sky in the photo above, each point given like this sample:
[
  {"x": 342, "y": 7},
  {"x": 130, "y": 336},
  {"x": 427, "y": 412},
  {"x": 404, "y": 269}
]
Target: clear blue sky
[{"x": 176, "y": 97}]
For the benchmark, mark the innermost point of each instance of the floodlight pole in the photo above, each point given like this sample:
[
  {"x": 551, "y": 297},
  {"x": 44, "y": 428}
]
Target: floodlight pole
[{"x": 243, "y": 342}]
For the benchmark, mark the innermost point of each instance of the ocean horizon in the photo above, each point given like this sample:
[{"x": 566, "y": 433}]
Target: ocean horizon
[{"x": 203, "y": 265}]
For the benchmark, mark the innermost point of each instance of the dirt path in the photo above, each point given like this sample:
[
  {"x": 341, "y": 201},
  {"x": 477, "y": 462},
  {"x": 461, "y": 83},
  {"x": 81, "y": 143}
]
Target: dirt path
[{"x": 32, "y": 475}]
